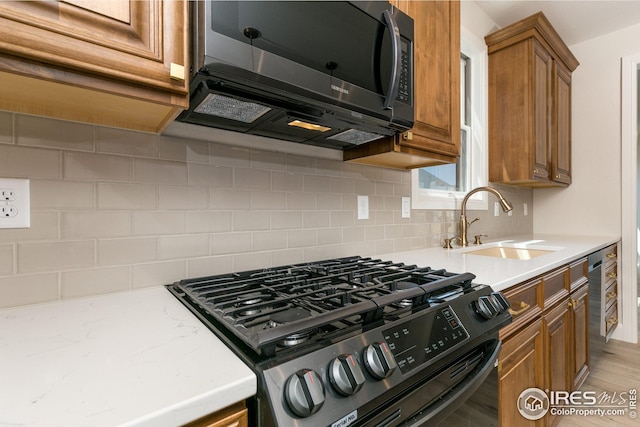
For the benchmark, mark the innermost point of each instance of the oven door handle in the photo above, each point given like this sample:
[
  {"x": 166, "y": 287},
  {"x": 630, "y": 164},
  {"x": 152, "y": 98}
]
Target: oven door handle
[{"x": 459, "y": 394}]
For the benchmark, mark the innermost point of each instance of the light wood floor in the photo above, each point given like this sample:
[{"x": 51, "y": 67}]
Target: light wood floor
[{"x": 616, "y": 370}]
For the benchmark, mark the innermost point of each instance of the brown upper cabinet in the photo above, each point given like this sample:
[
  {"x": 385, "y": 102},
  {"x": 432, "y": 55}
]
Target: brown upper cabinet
[
  {"x": 121, "y": 64},
  {"x": 529, "y": 104},
  {"x": 435, "y": 137}
]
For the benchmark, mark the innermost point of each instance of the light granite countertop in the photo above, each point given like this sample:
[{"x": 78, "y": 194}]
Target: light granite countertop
[
  {"x": 138, "y": 358},
  {"x": 141, "y": 359}
]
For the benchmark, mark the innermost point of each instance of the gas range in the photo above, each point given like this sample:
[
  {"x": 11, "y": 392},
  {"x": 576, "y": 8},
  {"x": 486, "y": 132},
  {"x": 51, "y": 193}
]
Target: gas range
[{"x": 353, "y": 341}]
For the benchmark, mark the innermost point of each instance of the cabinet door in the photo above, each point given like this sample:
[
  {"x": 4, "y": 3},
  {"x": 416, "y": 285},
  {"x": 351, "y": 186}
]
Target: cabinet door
[
  {"x": 561, "y": 140},
  {"x": 542, "y": 67},
  {"x": 519, "y": 368},
  {"x": 580, "y": 336},
  {"x": 557, "y": 345},
  {"x": 132, "y": 41},
  {"x": 437, "y": 76}
]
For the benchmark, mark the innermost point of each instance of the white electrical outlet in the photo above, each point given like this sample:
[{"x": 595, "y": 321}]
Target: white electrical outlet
[
  {"x": 15, "y": 203},
  {"x": 406, "y": 207},
  {"x": 526, "y": 210},
  {"x": 363, "y": 207},
  {"x": 496, "y": 209}
]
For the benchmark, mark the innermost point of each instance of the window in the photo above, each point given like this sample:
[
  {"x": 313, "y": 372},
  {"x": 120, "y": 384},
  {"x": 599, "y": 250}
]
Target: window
[{"x": 444, "y": 186}]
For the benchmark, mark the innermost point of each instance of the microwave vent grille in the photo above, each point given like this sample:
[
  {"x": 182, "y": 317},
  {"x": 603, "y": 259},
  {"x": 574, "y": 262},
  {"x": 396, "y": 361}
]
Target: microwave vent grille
[
  {"x": 232, "y": 109},
  {"x": 355, "y": 136}
]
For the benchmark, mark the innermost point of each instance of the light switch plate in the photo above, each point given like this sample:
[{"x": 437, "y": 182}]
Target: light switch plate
[
  {"x": 406, "y": 207},
  {"x": 363, "y": 207}
]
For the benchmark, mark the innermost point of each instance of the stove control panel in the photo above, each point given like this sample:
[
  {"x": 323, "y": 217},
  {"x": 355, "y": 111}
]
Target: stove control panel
[
  {"x": 420, "y": 340},
  {"x": 331, "y": 385}
]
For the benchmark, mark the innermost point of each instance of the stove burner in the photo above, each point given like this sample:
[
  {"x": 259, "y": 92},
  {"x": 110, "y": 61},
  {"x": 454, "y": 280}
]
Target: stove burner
[
  {"x": 403, "y": 286},
  {"x": 250, "y": 301},
  {"x": 287, "y": 316}
]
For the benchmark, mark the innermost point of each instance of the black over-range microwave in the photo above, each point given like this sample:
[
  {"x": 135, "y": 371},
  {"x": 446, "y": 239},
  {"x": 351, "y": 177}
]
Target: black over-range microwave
[{"x": 328, "y": 73}]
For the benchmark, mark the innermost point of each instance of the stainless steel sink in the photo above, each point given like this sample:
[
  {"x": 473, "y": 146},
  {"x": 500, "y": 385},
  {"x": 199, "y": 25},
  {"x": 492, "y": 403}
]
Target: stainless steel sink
[{"x": 521, "y": 251}]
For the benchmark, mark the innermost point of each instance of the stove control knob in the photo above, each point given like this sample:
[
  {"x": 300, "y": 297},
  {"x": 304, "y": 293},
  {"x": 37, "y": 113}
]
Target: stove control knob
[
  {"x": 379, "y": 361},
  {"x": 346, "y": 375},
  {"x": 304, "y": 392},
  {"x": 500, "y": 300},
  {"x": 486, "y": 307}
]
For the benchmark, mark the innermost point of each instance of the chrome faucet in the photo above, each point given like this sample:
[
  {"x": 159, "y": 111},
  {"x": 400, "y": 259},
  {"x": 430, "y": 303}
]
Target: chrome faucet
[{"x": 506, "y": 207}]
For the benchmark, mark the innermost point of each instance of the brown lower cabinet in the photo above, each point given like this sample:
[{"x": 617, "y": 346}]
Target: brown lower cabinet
[
  {"x": 231, "y": 416},
  {"x": 547, "y": 344}
]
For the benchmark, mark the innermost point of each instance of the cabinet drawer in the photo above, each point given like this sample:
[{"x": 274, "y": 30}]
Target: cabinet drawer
[
  {"x": 610, "y": 320},
  {"x": 610, "y": 273},
  {"x": 610, "y": 294},
  {"x": 578, "y": 272},
  {"x": 525, "y": 305},
  {"x": 555, "y": 287},
  {"x": 610, "y": 256}
]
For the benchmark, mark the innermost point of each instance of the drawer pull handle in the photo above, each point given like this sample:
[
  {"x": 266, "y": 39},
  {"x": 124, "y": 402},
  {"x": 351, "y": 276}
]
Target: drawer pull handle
[
  {"x": 612, "y": 294},
  {"x": 523, "y": 307},
  {"x": 611, "y": 275},
  {"x": 612, "y": 321},
  {"x": 611, "y": 255}
]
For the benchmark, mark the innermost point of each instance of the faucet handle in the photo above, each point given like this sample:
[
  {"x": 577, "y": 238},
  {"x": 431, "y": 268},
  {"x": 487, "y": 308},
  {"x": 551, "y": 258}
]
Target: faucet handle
[
  {"x": 478, "y": 237},
  {"x": 447, "y": 242},
  {"x": 472, "y": 221}
]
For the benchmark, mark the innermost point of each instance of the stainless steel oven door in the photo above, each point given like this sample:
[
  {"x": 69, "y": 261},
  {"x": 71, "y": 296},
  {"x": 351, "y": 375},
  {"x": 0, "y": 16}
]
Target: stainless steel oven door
[{"x": 433, "y": 400}]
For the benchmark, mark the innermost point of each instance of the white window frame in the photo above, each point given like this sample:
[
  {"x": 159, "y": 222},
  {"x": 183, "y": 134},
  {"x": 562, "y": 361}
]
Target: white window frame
[{"x": 475, "y": 49}]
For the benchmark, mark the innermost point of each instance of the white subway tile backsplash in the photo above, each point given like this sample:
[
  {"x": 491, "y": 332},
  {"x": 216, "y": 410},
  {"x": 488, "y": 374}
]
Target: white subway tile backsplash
[
  {"x": 179, "y": 247},
  {"x": 92, "y": 225},
  {"x": 208, "y": 222},
  {"x": 183, "y": 198},
  {"x": 184, "y": 151},
  {"x": 272, "y": 200},
  {"x": 6, "y": 128},
  {"x": 50, "y": 133},
  {"x": 115, "y": 210},
  {"x": 6, "y": 259},
  {"x": 159, "y": 172},
  {"x": 127, "y": 250},
  {"x": 146, "y": 223},
  {"x": 210, "y": 175},
  {"x": 157, "y": 273},
  {"x": 118, "y": 141},
  {"x": 254, "y": 179},
  {"x": 269, "y": 240},
  {"x": 302, "y": 201},
  {"x": 28, "y": 289},
  {"x": 127, "y": 196},
  {"x": 316, "y": 219},
  {"x": 55, "y": 256},
  {"x": 208, "y": 266},
  {"x": 251, "y": 220},
  {"x": 301, "y": 238},
  {"x": 96, "y": 167},
  {"x": 82, "y": 283},
  {"x": 58, "y": 194},
  {"x": 286, "y": 220},
  {"x": 230, "y": 243},
  {"x": 22, "y": 162},
  {"x": 230, "y": 199}
]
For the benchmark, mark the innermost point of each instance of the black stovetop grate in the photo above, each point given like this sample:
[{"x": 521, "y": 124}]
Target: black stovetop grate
[{"x": 286, "y": 305}]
